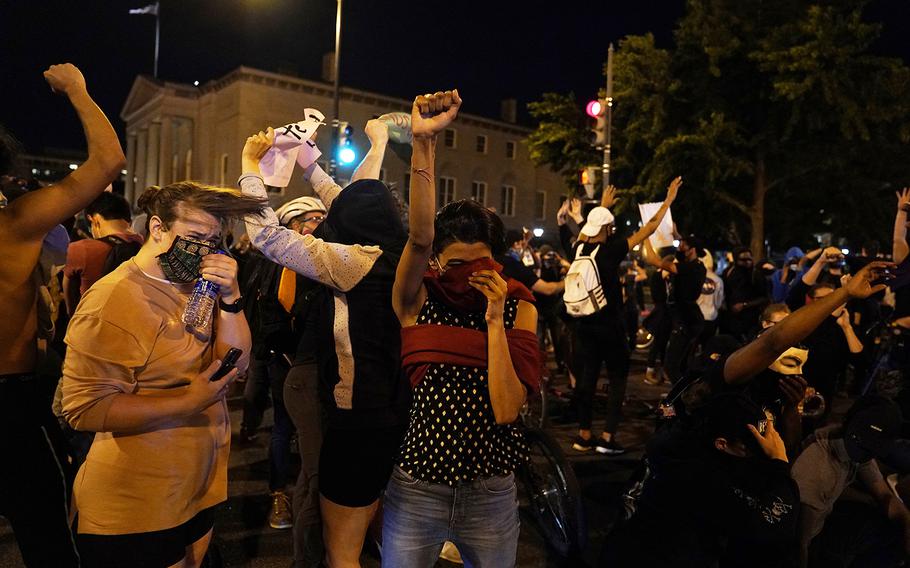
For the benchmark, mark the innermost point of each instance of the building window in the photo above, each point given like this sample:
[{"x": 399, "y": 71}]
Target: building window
[
  {"x": 479, "y": 192},
  {"x": 510, "y": 150},
  {"x": 450, "y": 138},
  {"x": 223, "y": 170},
  {"x": 175, "y": 165},
  {"x": 540, "y": 205},
  {"x": 508, "y": 201},
  {"x": 188, "y": 172},
  {"x": 481, "y": 144},
  {"x": 407, "y": 188},
  {"x": 446, "y": 190}
]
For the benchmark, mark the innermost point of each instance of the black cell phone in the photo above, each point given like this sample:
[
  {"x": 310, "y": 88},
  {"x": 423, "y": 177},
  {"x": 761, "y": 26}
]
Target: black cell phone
[{"x": 228, "y": 363}]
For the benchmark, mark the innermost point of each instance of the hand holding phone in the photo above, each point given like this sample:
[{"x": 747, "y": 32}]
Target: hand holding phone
[{"x": 228, "y": 363}]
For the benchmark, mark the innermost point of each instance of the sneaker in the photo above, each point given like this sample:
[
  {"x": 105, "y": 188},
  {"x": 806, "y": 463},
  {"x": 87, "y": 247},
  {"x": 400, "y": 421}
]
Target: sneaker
[
  {"x": 654, "y": 377},
  {"x": 583, "y": 445},
  {"x": 611, "y": 448},
  {"x": 280, "y": 515}
]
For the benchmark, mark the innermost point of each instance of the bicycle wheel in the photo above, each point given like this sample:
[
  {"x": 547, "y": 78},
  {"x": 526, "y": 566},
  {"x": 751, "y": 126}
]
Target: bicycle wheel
[
  {"x": 553, "y": 494},
  {"x": 534, "y": 411}
]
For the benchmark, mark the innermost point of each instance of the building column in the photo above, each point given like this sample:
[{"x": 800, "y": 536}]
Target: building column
[
  {"x": 130, "y": 189},
  {"x": 141, "y": 159},
  {"x": 165, "y": 154},
  {"x": 153, "y": 150}
]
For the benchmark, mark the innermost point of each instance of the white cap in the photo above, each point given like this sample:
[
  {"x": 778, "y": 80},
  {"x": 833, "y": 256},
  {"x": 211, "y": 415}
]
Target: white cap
[
  {"x": 297, "y": 207},
  {"x": 597, "y": 218}
]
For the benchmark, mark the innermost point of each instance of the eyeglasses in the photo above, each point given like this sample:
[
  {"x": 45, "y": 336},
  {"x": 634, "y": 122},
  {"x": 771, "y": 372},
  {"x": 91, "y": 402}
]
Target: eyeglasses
[{"x": 316, "y": 218}]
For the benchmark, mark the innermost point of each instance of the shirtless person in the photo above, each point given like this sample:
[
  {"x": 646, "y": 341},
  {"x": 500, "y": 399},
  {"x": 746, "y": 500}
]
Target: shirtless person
[{"x": 34, "y": 493}]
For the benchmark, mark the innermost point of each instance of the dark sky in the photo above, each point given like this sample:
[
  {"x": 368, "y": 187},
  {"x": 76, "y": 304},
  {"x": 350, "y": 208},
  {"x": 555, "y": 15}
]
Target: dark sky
[{"x": 490, "y": 50}]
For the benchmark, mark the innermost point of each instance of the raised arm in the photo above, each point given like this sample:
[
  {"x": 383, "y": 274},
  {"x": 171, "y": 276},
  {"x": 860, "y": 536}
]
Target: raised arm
[
  {"x": 338, "y": 266},
  {"x": 430, "y": 115},
  {"x": 650, "y": 256},
  {"x": 37, "y": 212},
  {"x": 648, "y": 228},
  {"x": 754, "y": 357},
  {"x": 378, "y": 133},
  {"x": 323, "y": 184},
  {"x": 899, "y": 247}
]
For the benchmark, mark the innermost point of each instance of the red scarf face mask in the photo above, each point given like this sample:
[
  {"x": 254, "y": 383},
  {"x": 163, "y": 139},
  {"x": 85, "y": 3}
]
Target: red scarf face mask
[{"x": 453, "y": 288}]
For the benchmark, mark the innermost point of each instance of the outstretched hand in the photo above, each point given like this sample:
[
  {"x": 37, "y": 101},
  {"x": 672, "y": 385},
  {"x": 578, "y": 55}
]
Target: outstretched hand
[
  {"x": 65, "y": 78},
  {"x": 431, "y": 114},
  {"x": 903, "y": 199},
  {"x": 255, "y": 148},
  {"x": 861, "y": 284}
]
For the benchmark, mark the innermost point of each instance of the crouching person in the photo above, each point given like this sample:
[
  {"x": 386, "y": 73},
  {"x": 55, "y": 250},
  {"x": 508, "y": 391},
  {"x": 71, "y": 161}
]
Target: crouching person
[{"x": 139, "y": 377}]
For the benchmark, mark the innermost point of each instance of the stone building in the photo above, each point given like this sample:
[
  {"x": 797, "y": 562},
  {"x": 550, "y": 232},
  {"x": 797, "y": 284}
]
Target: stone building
[{"x": 178, "y": 131}]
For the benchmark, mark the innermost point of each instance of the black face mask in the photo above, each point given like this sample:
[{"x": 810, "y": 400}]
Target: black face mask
[
  {"x": 681, "y": 256},
  {"x": 180, "y": 263}
]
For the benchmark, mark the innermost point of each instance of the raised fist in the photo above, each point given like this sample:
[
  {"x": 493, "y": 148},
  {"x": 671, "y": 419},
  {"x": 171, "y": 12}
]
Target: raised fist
[
  {"x": 65, "y": 78},
  {"x": 431, "y": 114}
]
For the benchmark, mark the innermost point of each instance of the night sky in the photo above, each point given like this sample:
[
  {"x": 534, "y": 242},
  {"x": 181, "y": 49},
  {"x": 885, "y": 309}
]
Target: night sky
[{"x": 490, "y": 50}]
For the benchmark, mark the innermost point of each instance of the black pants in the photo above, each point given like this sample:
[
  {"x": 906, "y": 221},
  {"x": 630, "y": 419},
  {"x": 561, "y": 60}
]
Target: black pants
[
  {"x": 549, "y": 321},
  {"x": 682, "y": 341},
  {"x": 606, "y": 343},
  {"x": 661, "y": 327},
  {"x": 34, "y": 489}
]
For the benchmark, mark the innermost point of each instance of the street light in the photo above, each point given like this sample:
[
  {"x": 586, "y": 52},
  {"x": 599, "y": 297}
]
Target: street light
[{"x": 335, "y": 91}]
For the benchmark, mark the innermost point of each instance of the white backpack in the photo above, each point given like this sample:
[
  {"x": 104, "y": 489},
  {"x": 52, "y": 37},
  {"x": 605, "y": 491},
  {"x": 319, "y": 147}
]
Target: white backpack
[{"x": 584, "y": 294}]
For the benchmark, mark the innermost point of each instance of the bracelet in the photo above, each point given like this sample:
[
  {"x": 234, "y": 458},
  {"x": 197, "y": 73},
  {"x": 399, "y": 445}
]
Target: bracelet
[{"x": 422, "y": 172}]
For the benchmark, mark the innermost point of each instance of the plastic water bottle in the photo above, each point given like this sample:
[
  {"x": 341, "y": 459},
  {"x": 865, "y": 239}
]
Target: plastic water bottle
[
  {"x": 199, "y": 308},
  {"x": 399, "y": 127}
]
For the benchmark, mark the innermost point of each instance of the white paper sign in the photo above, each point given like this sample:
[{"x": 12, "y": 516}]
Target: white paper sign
[
  {"x": 293, "y": 144},
  {"x": 663, "y": 236}
]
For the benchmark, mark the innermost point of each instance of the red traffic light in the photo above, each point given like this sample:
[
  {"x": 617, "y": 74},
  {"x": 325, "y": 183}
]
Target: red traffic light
[{"x": 594, "y": 109}]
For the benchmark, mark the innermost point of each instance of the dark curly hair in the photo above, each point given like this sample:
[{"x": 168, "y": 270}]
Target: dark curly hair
[
  {"x": 468, "y": 221},
  {"x": 9, "y": 151}
]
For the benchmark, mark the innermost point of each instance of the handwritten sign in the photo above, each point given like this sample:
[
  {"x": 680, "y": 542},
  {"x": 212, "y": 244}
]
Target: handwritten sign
[
  {"x": 293, "y": 145},
  {"x": 663, "y": 236}
]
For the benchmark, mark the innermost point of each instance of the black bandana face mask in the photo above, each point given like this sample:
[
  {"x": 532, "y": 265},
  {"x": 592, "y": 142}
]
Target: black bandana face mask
[{"x": 180, "y": 263}]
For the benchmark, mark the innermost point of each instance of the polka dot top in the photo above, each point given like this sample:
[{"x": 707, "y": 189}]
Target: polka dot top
[{"x": 453, "y": 436}]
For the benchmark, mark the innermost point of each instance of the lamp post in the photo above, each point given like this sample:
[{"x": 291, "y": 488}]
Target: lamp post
[{"x": 333, "y": 162}]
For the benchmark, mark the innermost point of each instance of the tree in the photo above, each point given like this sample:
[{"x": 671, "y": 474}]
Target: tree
[
  {"x": 561, "y": 138},
  {"x": 764, "y": 106}
]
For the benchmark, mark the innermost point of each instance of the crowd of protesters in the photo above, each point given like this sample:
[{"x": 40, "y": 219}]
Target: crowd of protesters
[{"x": 400, "y": 354}]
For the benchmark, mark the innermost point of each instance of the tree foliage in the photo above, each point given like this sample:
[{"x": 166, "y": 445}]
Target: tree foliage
[{"x": 780, "y": 119}]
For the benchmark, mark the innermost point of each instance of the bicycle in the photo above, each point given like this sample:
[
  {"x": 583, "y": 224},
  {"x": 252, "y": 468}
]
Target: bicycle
[{"x": 550, "y": 485}]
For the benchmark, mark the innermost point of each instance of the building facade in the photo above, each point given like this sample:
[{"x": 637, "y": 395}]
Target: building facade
[{"x": 177, "y": 131}]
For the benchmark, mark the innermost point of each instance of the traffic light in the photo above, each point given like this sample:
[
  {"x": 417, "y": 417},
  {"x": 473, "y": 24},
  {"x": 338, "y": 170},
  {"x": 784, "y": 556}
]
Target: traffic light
[
  {"x": 588, "y": 179},
  {"x": 598, "y": 110},
  {"x": 346, "y": 152}
]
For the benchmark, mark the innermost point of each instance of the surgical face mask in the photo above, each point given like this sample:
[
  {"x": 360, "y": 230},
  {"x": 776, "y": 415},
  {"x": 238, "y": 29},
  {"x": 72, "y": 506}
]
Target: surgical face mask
[{"x": 180, "y": 263}]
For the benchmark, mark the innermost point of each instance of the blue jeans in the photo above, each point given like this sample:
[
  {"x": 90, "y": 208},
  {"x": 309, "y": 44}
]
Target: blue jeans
[{"x": 480, "y": 517}]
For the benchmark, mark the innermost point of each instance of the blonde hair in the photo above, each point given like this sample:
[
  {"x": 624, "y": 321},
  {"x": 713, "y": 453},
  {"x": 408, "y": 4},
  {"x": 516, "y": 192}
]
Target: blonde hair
[{"x": 223, "y": 203}]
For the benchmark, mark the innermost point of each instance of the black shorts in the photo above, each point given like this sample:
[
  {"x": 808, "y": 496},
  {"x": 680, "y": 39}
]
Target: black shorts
[
  {"x": 355, "y": 465},
  {"x": 158, "y": 549}
]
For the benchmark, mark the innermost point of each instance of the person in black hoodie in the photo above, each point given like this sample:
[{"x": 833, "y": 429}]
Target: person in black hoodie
[
  {"x": 834, "y": 340},
  {"x": 720, "y": 493},
  {"x": 746, "y": 295},
  {"x": 686, "y": 280},
  {"x": 354, "y": 253}
]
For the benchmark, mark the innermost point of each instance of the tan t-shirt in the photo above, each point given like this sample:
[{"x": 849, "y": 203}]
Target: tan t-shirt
[{"x": 127, "y": 337}]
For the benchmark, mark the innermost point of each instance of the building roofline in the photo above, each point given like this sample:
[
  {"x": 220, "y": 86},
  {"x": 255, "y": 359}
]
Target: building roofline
[{"x": 325, "y": 89}]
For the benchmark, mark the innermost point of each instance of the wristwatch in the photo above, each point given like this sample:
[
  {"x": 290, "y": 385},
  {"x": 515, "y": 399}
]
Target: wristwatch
[{"x": 234, "y": 308}]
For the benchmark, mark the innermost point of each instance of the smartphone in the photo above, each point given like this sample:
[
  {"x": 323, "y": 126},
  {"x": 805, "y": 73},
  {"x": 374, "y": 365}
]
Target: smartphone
[{"x": 228, "y": 363}]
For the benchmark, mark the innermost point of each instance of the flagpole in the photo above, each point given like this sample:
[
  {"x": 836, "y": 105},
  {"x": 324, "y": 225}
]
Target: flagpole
[{"x": 157, "y": 34}]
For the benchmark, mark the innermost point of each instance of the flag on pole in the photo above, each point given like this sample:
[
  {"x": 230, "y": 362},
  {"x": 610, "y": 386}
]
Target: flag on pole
[{"x": 151, "y": 9}]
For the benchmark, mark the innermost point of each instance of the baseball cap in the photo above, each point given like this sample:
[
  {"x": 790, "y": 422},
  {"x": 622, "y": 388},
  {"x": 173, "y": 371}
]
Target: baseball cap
[
  {"x": 597, "y": 218},
  {"x": 297, "y": 207}
]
